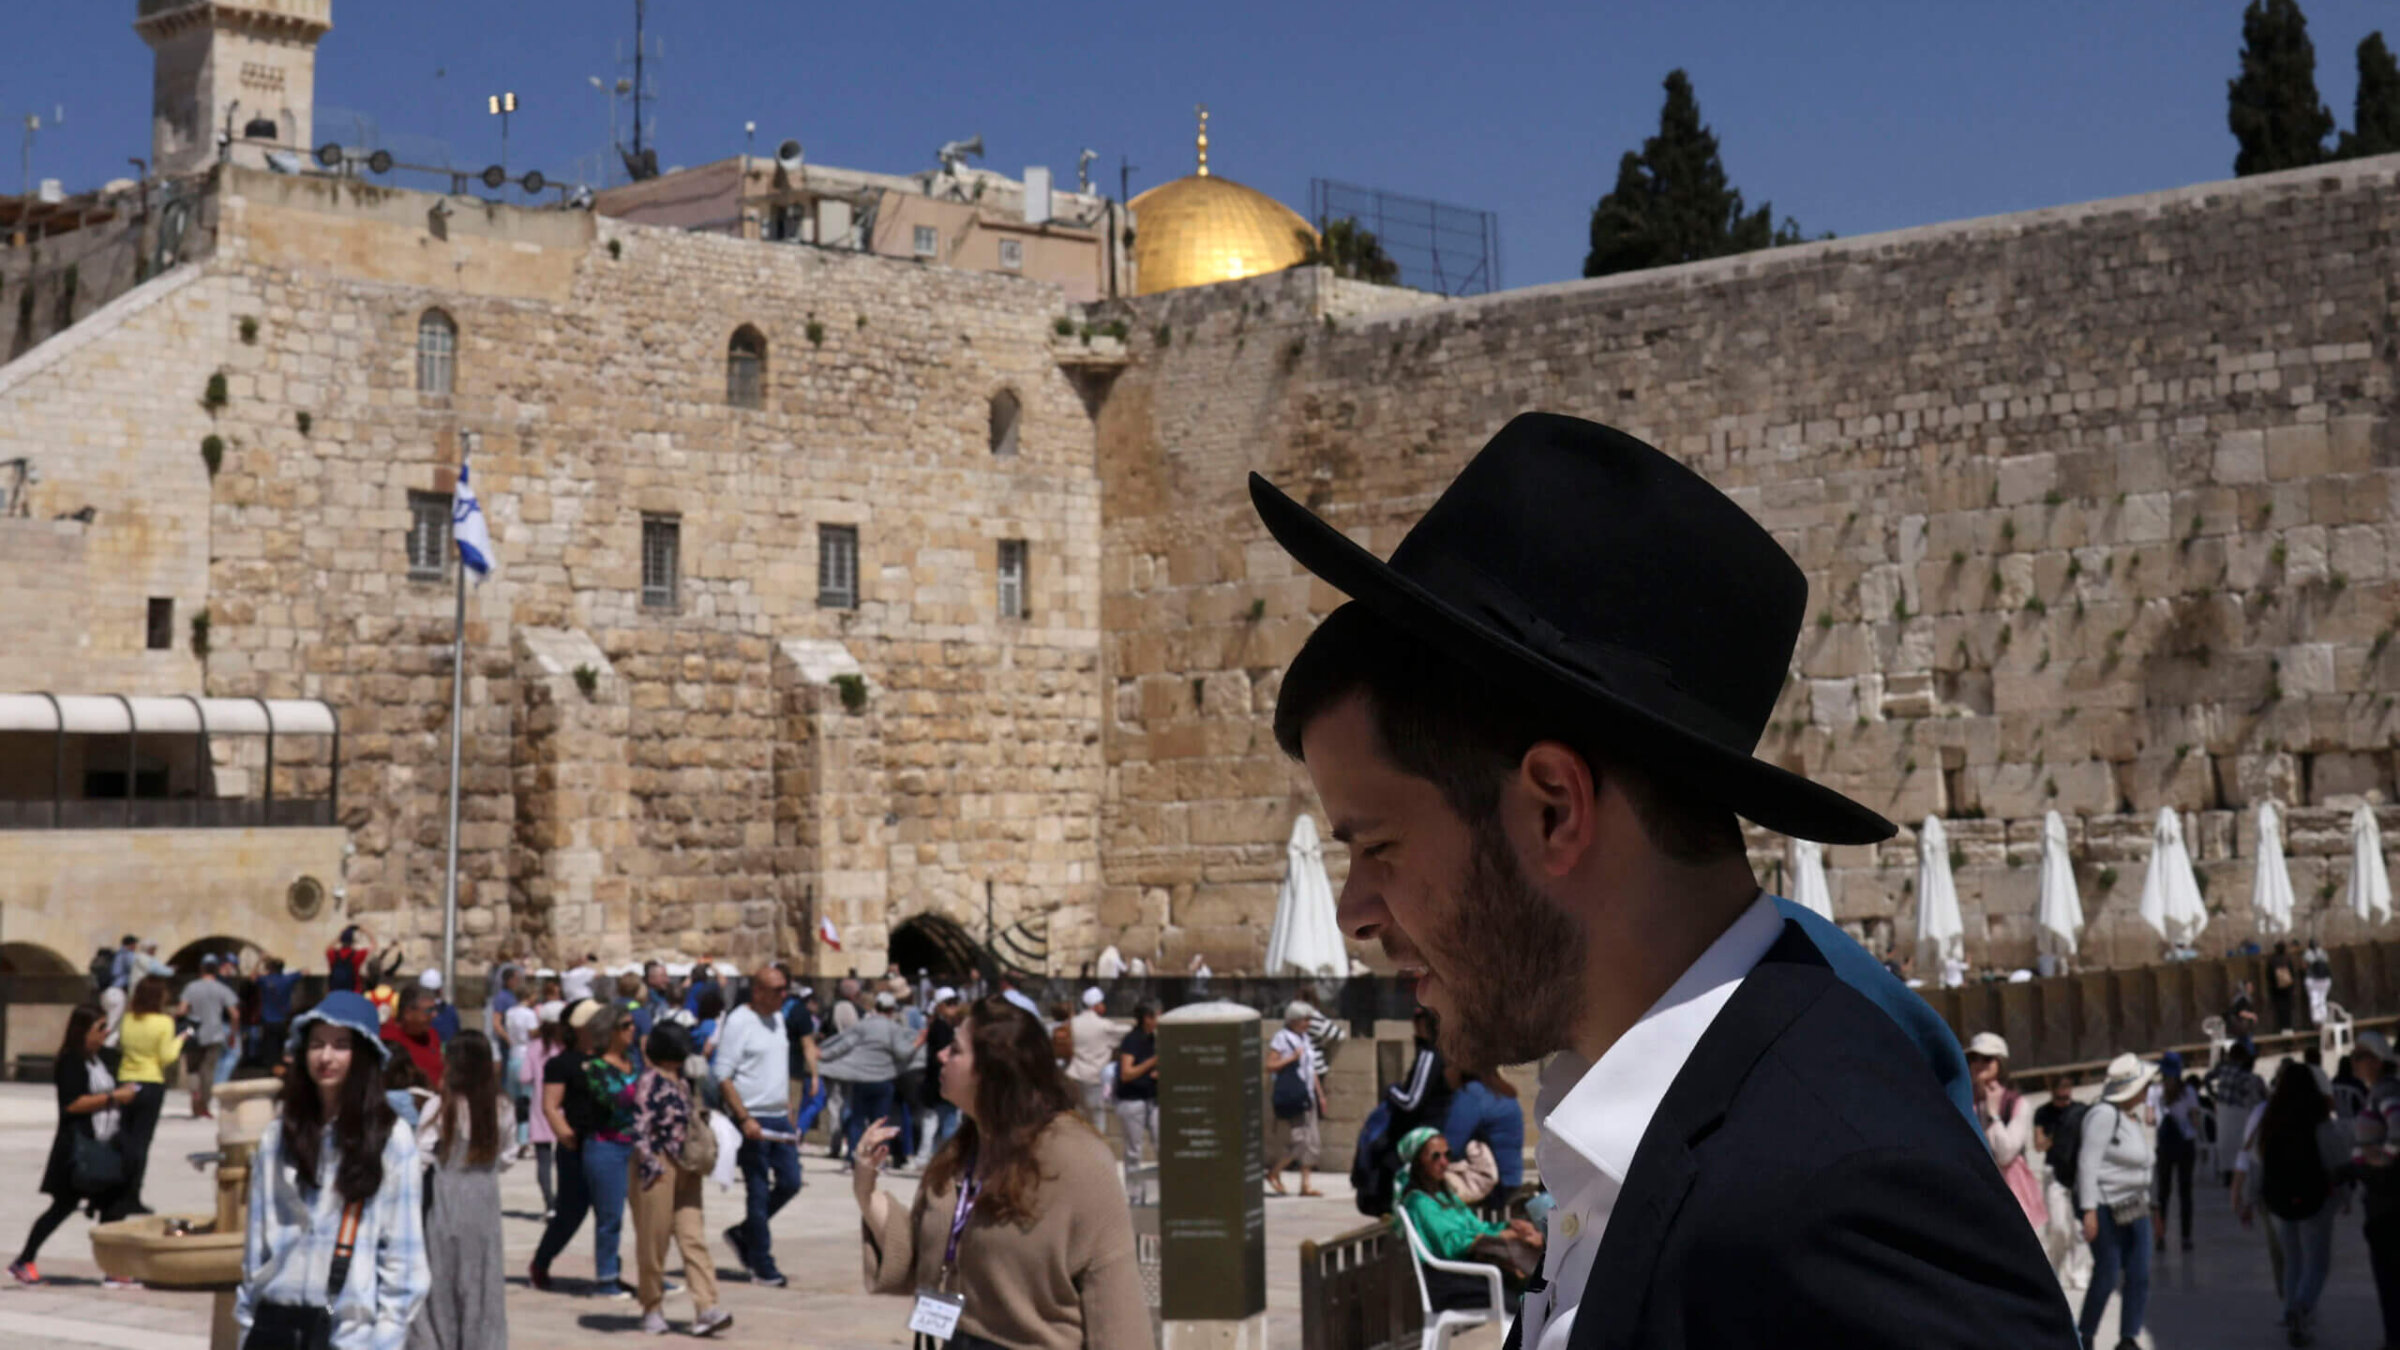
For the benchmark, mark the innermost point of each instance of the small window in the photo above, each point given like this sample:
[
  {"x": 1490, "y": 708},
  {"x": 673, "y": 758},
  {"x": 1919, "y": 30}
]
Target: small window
[
  {"x": 1012, "y": 255},
  {"x": 1013, "y": 597},
  {"x": 837, "y": 566},
  {"x": 1005, "y": 415},
  {"x": 428, "y": 536},
  {"x": 161, "y": 624},
  {"x": 437, "y": 352},
  {"x": 662, "y": 560},
  {"x": 746, "y": 369},
  {"x": 927, "y": 242}
]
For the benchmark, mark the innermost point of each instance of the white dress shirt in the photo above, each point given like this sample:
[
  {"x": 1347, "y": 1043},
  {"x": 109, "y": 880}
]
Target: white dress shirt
[{"x": 1594, "y": 1114}]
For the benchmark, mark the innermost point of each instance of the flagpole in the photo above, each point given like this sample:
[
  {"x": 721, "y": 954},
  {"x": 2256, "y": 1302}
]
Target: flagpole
[{"x": 458, "y": 692}]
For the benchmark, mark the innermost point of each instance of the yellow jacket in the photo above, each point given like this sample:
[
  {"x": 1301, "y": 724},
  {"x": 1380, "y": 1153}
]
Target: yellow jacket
[{"x": 149, "y": 1043}]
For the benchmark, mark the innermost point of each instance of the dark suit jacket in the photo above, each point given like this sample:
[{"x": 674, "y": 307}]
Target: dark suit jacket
[{"x": 1806, "y": 1182}]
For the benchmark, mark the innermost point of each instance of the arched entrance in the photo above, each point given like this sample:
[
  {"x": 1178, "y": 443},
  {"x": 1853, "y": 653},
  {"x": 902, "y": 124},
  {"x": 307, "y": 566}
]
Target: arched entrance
[
  {"x": 27, "y": 958},
  {"x": 186, "y": 959},
  {"x": 937, "y": 945}
]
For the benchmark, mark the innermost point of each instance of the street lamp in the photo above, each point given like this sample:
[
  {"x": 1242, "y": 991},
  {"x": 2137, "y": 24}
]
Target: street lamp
[
  {"x": 502, "y": 105},
  {"x": 613, "y": 93}
]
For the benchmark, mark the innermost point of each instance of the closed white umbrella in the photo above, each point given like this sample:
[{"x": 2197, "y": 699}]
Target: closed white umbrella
[
  {"x": 1809, "y": 890},
  {"x": 2061, "y": 913},
  {"x": 2271, "y": 888},
  {"x": 1941, "y": 933},
  {"x": 1307, "y": 937},
  {"x": 2170, "y": 893},
  {"x": 2370, "y": 884}
]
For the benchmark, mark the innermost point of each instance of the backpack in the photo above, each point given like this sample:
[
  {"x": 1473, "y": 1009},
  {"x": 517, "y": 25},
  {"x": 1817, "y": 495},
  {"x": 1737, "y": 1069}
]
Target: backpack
[
  {"x": 1062, "y": 1041},
  {"x": 103, "y": 969},
  {"x": 2066, "y": 1144},
  {"x": 699, "y": 1155},
  {"x": 2293, "y": 1183},
  {"x": 1375, "y": 1166}
]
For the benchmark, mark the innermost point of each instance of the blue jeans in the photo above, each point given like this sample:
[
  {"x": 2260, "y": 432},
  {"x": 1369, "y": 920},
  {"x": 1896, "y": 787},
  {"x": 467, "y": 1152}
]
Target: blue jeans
[
  {"x": 869, "y": 1103},
  {"x": 606, "y": 1176},
  {"x": 770, "y": 1178},
  {"x": 2120, "y": 1247},
  {"x": 2307, "y": 1258}
]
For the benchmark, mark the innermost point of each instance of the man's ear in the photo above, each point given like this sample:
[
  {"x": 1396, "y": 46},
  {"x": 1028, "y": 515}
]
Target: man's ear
[{"x": 1558, "y": 796}]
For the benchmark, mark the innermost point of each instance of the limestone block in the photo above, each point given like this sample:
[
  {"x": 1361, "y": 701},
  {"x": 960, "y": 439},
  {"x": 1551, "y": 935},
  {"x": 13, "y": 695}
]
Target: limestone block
[
  {"x": 2146, "y": 517},
  {"x": 2241, "y": 457},
  {"x": 2300, "y": 450}
]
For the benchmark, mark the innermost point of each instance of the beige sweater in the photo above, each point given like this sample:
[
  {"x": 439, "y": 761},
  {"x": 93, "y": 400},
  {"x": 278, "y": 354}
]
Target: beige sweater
[{"x": 1065, "y": 1281}]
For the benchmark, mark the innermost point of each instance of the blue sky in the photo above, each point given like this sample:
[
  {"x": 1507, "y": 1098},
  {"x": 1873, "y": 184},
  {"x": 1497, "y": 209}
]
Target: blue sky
[{"x": 1852, "y": 116}]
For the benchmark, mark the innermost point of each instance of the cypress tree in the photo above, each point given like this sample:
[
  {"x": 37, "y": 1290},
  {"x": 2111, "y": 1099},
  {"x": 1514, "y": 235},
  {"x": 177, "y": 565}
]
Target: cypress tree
[
  {"x": 2375, "y": 117},
  {"x": 1672, "y": 203},
  {"x": 2272, "y": 106}
]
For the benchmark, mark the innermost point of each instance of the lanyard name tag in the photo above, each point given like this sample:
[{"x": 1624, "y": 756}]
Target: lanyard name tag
[{"x": 937, "y": 1314}]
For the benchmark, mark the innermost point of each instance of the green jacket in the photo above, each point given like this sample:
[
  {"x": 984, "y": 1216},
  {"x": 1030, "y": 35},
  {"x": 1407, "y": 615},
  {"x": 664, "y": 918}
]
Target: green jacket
[{"x": 1446, "y": 1224}]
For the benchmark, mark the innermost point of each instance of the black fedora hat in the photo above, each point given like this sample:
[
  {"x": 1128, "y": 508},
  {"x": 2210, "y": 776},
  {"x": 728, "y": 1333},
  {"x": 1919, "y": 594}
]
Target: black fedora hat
[{"x": 1577, "y": 567}]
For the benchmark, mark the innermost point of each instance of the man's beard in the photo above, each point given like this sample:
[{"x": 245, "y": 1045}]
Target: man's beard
[{"x": 1514, "y": 963}]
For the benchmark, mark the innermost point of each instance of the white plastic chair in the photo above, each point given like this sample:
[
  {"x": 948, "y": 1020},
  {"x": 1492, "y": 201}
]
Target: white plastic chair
[
  {"x": 2337, "y": 1037},
  {"x": 1441, "y": 1326}
]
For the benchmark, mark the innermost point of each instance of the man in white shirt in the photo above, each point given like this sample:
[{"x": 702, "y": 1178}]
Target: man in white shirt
[
  {"x": 1094, "y": 1037},
  {"x": 753, "y": 1064},
  {"x": 1534, "y": 729}
]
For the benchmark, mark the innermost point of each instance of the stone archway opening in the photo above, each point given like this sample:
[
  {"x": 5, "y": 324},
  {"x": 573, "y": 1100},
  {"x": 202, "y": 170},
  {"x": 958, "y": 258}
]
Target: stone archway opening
[
  {"x": 31, "y": 958},
  {"x": 937, "y": 945},
  {"x": 186, "y": 959}
]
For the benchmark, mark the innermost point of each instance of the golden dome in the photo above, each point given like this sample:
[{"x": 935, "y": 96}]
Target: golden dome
[{"x": 1204, "y": 229}]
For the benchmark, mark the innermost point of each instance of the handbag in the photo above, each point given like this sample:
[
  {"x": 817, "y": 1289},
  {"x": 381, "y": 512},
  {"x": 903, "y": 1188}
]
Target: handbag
[
  {"x": 699, "y": 1156},
  {"x": 96, "y": 1168},
  {"x": 1291, "y": 1093},
  {"x": 291, "y": 1326}
]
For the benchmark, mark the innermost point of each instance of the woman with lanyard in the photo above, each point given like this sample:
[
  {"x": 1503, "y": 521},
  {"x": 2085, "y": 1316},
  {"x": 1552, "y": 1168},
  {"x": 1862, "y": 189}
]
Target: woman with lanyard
[
  {"x": 1019, "y": 1235},
  {"x": 334, "y": 1252},
  {"x": 84, "y": 1167}
]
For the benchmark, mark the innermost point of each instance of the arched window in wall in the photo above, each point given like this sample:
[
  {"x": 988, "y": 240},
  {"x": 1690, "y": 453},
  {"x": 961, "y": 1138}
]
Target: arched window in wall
[
  {"x": 1006, "y": 414},
  {"x": 437, "y": 352},
  {"x": 746, "y": 369}
]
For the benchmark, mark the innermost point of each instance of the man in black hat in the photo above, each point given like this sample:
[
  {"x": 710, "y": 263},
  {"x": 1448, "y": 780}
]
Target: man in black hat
[{"x": 1533, "y": 727}]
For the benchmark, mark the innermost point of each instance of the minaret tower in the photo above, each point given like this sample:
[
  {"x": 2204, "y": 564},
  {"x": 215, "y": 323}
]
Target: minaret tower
[{"x": 248, "y": 63}]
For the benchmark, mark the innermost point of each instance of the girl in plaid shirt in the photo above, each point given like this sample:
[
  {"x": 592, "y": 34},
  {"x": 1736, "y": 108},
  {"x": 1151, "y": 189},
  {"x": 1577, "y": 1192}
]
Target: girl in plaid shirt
[{"x": 336, "y": 1160}]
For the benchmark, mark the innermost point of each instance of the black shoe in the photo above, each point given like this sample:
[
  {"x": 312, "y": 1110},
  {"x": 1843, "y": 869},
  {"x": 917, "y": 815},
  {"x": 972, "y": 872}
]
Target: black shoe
[
  {"x": 741, "y": 1251},
  {"x": 772, "y": 1280}
]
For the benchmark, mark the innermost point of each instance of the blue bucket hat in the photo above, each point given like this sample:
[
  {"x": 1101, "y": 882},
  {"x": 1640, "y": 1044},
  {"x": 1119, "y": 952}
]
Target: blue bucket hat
[{"x": 343, "y": 1008}]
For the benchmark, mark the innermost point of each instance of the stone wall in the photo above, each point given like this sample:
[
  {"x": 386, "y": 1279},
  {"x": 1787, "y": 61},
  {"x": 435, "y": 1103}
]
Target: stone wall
[
  {"x": 71, "y": 891},
  {"x": 645, "y": 815},
  {"x": 2096, "y": 504}
]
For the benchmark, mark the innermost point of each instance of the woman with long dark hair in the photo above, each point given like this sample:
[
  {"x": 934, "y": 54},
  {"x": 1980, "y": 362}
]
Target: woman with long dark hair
[
  {"x": 2294, "y": 1167},
  {"x": 665, "y": 1194},
  {"x": 147, "y": 1044},
  {"x": 1019, "y": 1230},
  {"x": 467, "y": 1137},
  {"x": 334, "y": 1252},
  {"x": 91, "y": 1104}
]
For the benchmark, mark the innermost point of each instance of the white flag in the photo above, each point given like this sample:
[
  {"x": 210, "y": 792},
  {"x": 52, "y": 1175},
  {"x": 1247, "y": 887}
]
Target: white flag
[{"x": 468, "y": 528}]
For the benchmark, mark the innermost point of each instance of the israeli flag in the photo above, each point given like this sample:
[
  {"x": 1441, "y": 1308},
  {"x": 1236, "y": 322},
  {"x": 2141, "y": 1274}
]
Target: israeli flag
[{"x": 469, "y": 528}]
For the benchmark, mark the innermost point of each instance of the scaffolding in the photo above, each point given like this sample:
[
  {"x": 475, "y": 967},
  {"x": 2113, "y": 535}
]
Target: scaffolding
[{"x": 1445, "y": 249}]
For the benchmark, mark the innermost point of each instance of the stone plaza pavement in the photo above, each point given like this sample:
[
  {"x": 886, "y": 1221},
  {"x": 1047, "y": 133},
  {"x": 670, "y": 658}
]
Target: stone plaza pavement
[{"x": 2214, "y": 1296}]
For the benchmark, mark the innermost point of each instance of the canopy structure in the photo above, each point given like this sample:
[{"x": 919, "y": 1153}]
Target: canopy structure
[
  {"x": 1809, "y": 889},
  {"x": 2271, "y": 884},
  {"x": 138, "y": 715},
  {"x": 2170, "y": 893},
  {"x": 1307, "y": 937},
  {"x": 2061, "y": 914},
  {"x": 1941, "y": 932},
  {"x": 2370, "y": 884}
]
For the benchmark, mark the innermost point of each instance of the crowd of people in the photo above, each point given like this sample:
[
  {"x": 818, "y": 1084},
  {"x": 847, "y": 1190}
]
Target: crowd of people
[{"x": 2107, "y": 1183}]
